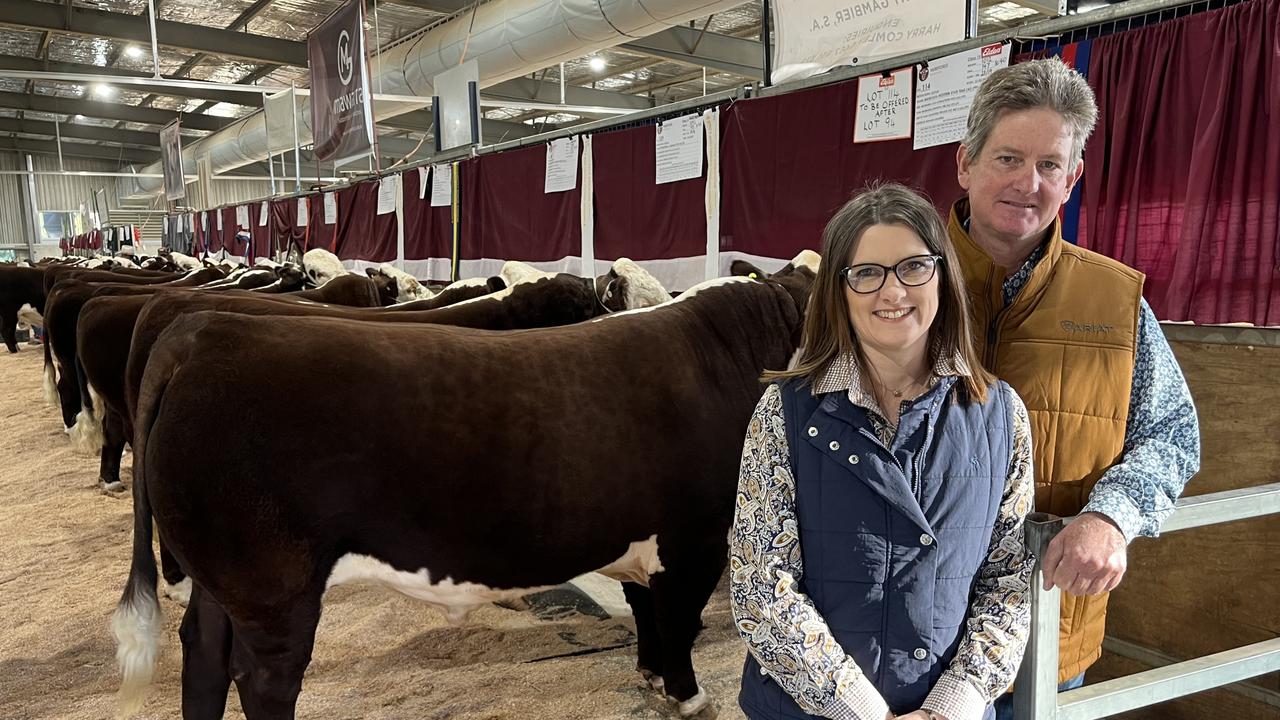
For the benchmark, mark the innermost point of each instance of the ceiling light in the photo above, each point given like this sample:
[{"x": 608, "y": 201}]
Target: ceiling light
[
  {"x": 597, "y": 64},
  {"x": 134, "y": 51},
  {"x": 79, "y": 117},
  {"x": 103, "y": 90}
]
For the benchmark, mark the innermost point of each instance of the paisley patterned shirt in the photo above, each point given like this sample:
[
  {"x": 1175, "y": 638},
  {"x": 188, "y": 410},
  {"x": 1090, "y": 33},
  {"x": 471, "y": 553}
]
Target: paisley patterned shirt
[
  {"x": 784, "y": 630},
  {"x": 1161, "y": 439}
]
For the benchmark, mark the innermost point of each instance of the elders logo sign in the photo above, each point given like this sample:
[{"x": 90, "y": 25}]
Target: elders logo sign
[{"x": 344, "y": 58}]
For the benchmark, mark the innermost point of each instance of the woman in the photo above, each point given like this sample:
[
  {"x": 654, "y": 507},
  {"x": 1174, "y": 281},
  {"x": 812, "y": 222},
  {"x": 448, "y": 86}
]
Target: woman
[{"x": 877, "y": 555}]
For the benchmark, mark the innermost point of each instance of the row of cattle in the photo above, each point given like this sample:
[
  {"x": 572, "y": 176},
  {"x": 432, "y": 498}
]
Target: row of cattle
[{"x": 464, "y": 447}]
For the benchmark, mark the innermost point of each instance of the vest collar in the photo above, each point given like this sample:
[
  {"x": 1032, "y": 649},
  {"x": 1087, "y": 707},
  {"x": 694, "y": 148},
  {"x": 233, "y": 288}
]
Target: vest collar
[{"x": 985, "y": 279}]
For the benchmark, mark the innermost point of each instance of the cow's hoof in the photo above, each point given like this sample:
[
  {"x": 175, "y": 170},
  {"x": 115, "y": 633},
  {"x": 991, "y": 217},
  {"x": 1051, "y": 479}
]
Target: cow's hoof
[
  {"x": 111, "y": 488},
  {"x": 653, "y": 680},
  {"x": 698, "y": 707},
  {"x": 180, "y": 593}
]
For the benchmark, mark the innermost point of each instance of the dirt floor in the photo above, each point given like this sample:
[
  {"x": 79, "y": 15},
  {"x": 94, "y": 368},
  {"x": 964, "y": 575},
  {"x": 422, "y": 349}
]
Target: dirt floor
[{"x": 64, "y": 550}]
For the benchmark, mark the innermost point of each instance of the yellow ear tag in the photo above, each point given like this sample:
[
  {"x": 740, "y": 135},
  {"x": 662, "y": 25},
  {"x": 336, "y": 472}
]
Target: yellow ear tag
[{"x": 753, "y": 276}]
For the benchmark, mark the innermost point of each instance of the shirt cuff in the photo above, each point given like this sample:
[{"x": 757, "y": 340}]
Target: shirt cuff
[
  {"x": 1119, "y": 508},
  {"x": 955, "y": 698},
  {"x": 856, "y": 700}
]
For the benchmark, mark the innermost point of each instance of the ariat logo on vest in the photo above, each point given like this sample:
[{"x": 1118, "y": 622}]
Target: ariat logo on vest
[{"x": 1074, "y": 327}]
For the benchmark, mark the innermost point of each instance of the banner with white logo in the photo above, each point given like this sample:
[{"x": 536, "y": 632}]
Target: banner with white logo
[
  {"x": 341, "y": 110},
  {"x": 817, "y": 35},
  {"x": 175, "y": 187}
]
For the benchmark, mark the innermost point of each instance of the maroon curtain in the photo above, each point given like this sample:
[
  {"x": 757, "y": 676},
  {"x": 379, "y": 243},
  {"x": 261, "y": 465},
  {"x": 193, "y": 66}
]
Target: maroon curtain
[
  {"x": 260, "y": 230},
  {"x": 363, "y": 234},
  {"x": 1182, "y": 177},
  {"x": 227, "y": 235},
  {"x": 428, "y": 231},
  {"x": 284, "y": 224},
  {"x": 507, "y": 216},
  {"x": 330, "y": 236},
  {"x": 635, "y": 217},
  {"x": 788, "y": 162}
]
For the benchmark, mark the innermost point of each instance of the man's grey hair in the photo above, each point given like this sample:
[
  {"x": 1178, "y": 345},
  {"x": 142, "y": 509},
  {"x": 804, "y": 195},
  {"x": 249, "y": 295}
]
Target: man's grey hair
[{"x": 1048, "y": 84}]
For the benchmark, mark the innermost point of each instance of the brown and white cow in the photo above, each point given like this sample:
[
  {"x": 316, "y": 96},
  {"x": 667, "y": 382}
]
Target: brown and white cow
[{"x": 473, "y": 466}]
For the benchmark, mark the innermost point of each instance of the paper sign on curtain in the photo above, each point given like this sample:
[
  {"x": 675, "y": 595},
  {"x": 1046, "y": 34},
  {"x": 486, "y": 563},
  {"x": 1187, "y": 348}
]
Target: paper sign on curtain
[
  {"x": 242, "y": 216},
  {"x": 330, "y": 208},
  {"x": 441, "y": 185},
  {"x": 387, "y": 188},
  {"x": 263, "y": 214},
  {"x": 562, "y": 165},
  {"x": 945, "y": 90},
  {"x": 678, "y": 149},
  {"x": 423, "y": 172},
  {"x": 883, "y": 111},
  {"x": 302, "y": 212}
]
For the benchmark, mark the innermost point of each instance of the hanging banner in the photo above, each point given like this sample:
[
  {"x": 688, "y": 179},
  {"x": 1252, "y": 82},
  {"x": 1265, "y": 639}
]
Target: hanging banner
[
  {"x": 278, "y": 109},
  {"x": 945, "y": 89},
  {"x": 341, "y": 112},
  {"x": 883, "y": 111},
  {"x": 171, "y": 160},
  {"x": 817, "y": 35}
]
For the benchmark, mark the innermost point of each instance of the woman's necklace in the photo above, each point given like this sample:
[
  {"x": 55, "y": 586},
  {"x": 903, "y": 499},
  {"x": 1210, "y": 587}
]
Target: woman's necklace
[{"x": 898, "y": 393}]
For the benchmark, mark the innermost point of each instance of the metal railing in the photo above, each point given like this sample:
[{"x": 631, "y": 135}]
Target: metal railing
[{"x": 1036, "y": 690}]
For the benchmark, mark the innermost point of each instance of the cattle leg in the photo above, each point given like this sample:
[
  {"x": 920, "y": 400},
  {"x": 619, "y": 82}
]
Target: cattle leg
[
  {"x": 648, "y": 641},
  {"x": 9, "y": 328},
  {"x": 112, "y": 451},
  {"x": 270, "y": 656},
  {"x": 206, "y": 658},
  {"x": 680, "y": 592}
]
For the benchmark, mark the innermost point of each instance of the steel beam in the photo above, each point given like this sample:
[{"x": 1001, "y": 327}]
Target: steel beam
[
  {"x": 523, "y": 88},
  {"x": 711, "y": 50},
  {"x": 136, "y": 28},
  {"x": 109, "y": 111},
  {"x": 82, "y": 132},
  {"x": 12, "y": 62},
  {"x": 79, "y": 149}
]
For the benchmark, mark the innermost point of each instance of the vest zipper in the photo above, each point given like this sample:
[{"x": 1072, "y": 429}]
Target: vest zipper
[{"x": 873, "y": 438}]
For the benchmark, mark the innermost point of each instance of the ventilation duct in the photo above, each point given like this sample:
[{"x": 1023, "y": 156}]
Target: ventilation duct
[{"x": 508, "y": 38}]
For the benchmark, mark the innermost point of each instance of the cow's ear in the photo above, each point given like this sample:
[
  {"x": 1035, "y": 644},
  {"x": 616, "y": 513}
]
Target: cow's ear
[
  {"x": 496, "y": 283},
  {"x": 372, "y": 271},
  {"x": 615, "y": 297},
  {"x": 745, "y": 269}
]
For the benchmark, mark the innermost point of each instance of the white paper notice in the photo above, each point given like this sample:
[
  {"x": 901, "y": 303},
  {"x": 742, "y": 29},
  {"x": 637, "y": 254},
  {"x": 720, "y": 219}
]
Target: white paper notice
[
  {"x": 562, "y": 165},
  {"x": 263, "y": 214},
  {"x": 218, "y": 214},
  {"x": 387, "y": 188},
  {"x": 422, "y": 180},
  {"x": 302, "y": 212},
  {"x": 204, "y": 221},
  {"x": 884, "y": 107},
  {"x": 441, "y": 185},
  {"x": 330, "y": 208},
  {"x": 945, "y": 90},
  {"x": 679, "y": 149},
  {"x": 242, "y": 216}
]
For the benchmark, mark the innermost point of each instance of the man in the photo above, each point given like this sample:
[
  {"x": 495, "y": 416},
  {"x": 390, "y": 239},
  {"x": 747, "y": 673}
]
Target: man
[{"x": 1115, "y": 433}]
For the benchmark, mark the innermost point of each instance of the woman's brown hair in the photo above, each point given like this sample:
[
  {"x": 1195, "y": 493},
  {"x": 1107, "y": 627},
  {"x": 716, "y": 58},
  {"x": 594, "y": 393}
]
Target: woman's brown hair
[{"x": 828, "y": 334}]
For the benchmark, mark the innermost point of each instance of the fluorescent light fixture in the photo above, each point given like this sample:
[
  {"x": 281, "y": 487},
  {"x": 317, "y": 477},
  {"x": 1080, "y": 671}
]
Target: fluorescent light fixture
[
  {"x": 134, "y": 51},
  {"x": 102, "y": 90},
  {"x": 79, "y": 117},
  {"x": 597, "y": 64}
]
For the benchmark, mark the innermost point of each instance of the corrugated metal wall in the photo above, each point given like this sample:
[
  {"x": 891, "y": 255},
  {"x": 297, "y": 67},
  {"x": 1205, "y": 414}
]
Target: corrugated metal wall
[
  {"x": 68, "y": 192},
  {"x": 11, "y": 202}
]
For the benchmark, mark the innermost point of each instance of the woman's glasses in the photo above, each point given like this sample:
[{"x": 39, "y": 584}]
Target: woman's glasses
[{"x": 866, "y": 278}]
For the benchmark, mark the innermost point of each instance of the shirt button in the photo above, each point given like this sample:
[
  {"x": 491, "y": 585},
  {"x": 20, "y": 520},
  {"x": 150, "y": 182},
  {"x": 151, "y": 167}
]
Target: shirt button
[
  {"x": 813, "y": 432},
  {"x": 834, "y": 445},
  {"x": 926, "y": 540},
  {"x": 853, "y": 459},
  {"x": 921, "y": 653}
]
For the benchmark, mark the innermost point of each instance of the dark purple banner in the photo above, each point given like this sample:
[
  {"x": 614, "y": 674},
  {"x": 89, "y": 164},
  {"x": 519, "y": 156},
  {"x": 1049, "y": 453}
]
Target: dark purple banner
[{"x": 341, "y": 113}]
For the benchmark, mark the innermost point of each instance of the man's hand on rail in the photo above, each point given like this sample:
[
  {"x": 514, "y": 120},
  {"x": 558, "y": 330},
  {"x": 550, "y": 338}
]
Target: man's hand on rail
[{"x": 1088, "y": 557}]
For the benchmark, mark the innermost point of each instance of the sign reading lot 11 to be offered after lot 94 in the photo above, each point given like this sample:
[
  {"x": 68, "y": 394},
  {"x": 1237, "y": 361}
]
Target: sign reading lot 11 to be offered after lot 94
[{"x": 883, "y": 111}]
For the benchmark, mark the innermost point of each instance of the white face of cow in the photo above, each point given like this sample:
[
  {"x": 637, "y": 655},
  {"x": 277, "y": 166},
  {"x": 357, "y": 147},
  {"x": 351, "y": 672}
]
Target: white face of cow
[
  {"x": 515, "y": 272},
  {"x": 641, "y": 289},
  {"x": 407, "y": 286},
  {"x": 322, "y": 266}
]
